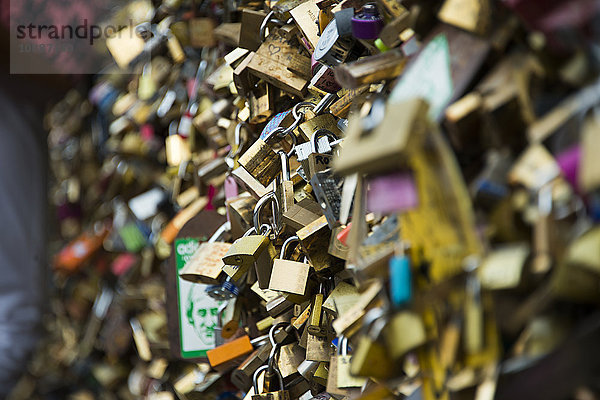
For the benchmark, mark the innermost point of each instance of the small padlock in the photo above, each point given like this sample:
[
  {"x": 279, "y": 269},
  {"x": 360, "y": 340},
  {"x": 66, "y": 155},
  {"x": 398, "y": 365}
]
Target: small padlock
[
  {"x": 371, "y": 358},
  {"x": 403, "y": 332},
  {"x": 242, "y": 375},
  {"x": 327, "y": 189},
  {"x": 227, "y": 355},
  {"x": 289, "y": 276},
  {"x": 261, "y": 162},
  {"x": 284, "y": 186},
  {"x": 400, "y": 280},
  {"x": 244, "y": 253},
  {"x": 317, "y": 348},
  {"x": 344, "y": 376},
  {"x": 264, "y": 264},
  {"x": 317, "y": 146},
  {"x": 280, "y": 394},
  {"x": 316, "y": 325}
]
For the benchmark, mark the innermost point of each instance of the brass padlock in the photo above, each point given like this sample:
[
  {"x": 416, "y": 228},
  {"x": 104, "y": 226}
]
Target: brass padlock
[
  {"x": 280, "y": 394},
  {"x": 284, "y": 186},
  {"x": 239, "y": 210},
  {"x": 377, "y": 151},
  {"x": 244, "y": 253},
  {"x": 242, "y": 375},
  {"x": 404, "y": 332},
  {"x": 371, "y": 357},
  {"x": 317, "y": 348},
  {"x": 314, "y": 239},
  {"x": 289, "y": 276},
  {"x": 262, "y": 103},
  {"x": 344, "y": 376},
  {"x": 261, "y": 162},
  {"x": 316, "y": 324},
  {"x": 302, "y": 214}
]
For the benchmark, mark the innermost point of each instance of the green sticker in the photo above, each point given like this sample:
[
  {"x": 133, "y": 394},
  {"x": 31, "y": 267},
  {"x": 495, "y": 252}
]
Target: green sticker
[
  {"x": 429, "y": 78},
  {"x": 198, "y": 312}
]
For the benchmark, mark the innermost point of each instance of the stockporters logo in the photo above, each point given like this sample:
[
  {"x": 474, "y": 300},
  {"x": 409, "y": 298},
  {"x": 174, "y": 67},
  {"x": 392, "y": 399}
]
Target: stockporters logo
[{"x": 69, "y": 36}]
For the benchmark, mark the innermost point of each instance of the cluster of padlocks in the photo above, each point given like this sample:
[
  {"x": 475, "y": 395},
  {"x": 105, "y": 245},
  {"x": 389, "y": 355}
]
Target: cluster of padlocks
[{"x": 307, "y": 199}]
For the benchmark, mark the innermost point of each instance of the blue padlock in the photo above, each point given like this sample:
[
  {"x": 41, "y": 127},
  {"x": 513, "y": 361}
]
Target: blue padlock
[{"x": 400, "y": 280}]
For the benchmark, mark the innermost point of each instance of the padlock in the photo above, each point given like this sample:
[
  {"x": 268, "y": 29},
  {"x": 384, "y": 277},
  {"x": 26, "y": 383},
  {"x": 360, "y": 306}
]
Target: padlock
[
  {"x": 367, "y": 23},
  {"x": 319, "y": 148},
  {"x": 241, "y": 377},
  {"x": 206, "y": 264},
  {"x": 403, "y": 332},
  {"x": 244, "y": 253},
  {"x": 317, "y": 348},
  {"x": 301, "y": 214},
  {"x": 228, "y": 355},
  {"x": 261, "y": 162},
  {"x": 380, "y": 67},
  {"x": 327, "y": 189},
  {"x": 333, "y": 49},
  {"x": 250, "y": 29},
  {"x": 390, "y": 33},
  {"x": 317, "y": 160},
  {"x": 336, "y": 247},
  {"x": 317, "y": 322},
  {"x": 290, "y": 357},
  {"x": 264, "y": 264},
  {"x": 280, "y": 394},
  {"x": 270, "y": 64},
  {"x": 371, "y": 357},
  {"x": 262, "y": 103},
  {"x": 307, "y": 128},
  {"x": 289, "y": 276},
  {"x": 341, "y": 299},
  {"x": 408, "y": 119},
  {"x": 314, "y": 239},
  {"x": 284, "y": 186},
  {"x": 344, "y": 377}
]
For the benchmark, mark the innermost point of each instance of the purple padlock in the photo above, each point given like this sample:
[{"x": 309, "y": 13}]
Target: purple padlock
[
  {"x": 392, "y": 192},
  {"x": 367, "y": 24}
]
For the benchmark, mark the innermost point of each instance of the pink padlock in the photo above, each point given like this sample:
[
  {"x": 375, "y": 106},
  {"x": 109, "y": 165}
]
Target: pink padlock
[
  {"x": 323, "y": 77},
  {"x": 392, "y": 193}
]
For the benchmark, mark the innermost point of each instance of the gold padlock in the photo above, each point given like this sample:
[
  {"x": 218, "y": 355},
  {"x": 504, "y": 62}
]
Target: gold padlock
[{"x": 289, "y": 276}]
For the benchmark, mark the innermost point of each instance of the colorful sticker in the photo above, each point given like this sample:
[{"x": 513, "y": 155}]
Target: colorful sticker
[
  {"x": 198, "y": 312},
  {"x": 429, "y": 78}
]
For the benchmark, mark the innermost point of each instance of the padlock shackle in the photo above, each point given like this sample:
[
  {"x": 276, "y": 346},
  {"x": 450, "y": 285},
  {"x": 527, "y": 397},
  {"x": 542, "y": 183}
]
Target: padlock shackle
[
  {"x": 285, "y": 164},
  {"x": 264, "y": 368},
  {"x": 226, "y": 227},
  {"x": 238, "y": 140},
  {"x": 324, "y": 103},
  {"x": 269, "y": 197},
  {"x": 373, "y": 322},
  {"x": 263, "y": 25},
  {"x": 288, "y": 241},
  {"x": 342, "y": 348}
]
